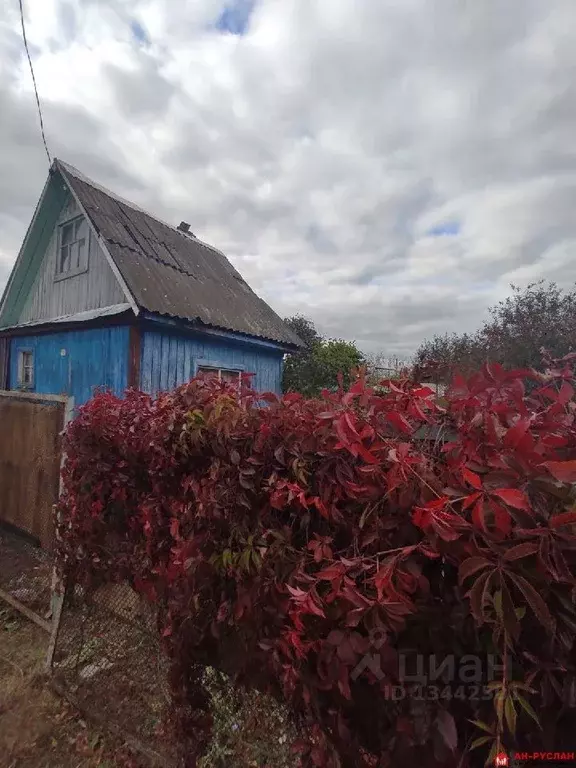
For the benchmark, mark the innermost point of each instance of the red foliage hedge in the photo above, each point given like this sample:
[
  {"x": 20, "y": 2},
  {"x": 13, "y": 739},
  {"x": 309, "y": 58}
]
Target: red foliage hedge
[{"x": 287, "y": 544}]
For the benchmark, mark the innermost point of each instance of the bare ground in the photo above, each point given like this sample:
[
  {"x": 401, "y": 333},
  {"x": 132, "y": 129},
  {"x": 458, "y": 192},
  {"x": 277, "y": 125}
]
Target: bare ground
[{"x": 38, "y": 729}]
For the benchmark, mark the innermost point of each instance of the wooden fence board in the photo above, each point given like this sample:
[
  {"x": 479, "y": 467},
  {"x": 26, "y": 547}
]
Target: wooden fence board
[{"x": 30, "y": 456}]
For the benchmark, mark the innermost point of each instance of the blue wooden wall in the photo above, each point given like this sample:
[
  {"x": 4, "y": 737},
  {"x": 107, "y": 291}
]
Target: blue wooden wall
[
  {"x": 92, "y": 358},
  {"x": 77, "y": 362},
  {"x": 170, "y": 359}
]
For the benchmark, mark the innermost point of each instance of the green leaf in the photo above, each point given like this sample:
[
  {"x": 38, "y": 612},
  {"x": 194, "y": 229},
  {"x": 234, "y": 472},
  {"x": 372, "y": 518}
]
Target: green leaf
[
  {"x": 491, "y": 759},
  {"x": 499, "y": 706},
  {"x": 483, "y": 726},
  {"x": 510, "y": 714},
  {"x": 245, "y": 559},
  {"x": 480, "y": 741},
  {"x": 527, "y": 707}
]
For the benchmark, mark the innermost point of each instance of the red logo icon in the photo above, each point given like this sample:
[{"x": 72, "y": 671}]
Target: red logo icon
[{"x": 501, "y": 759}]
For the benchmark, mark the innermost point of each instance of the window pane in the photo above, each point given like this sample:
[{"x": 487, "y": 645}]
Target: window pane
[
  {"x": 26, "y": 368},
  {"x": 208, "y": 373},
  {"x": 65, "y": 258},
  {"x": 73, "y": 251},
  {"x": 231, "y": 376},
  {"x": 80, "y": 229},
  {"x": 67, "y": 234}
]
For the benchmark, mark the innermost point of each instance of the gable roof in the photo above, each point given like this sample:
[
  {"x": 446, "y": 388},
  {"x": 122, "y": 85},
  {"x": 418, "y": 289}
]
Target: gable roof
[{"x": 168, "y": 272}]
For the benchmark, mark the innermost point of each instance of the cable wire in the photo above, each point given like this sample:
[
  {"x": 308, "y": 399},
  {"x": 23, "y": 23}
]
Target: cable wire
[{"x": 34, "y": 81}]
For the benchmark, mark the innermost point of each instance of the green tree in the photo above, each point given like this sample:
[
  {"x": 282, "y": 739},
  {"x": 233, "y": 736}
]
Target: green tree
[
  {"x": 539, "y": 317},
  {"x": 317, "y": 365}
]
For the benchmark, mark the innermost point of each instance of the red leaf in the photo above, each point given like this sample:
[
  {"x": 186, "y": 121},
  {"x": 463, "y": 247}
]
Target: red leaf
[
  {"x": 472, "y": 478},
  {"x": 293, "y": 397},
  {"x": 469, "y": 500},
  {"x": 564, "y": 471},
  {"x": 398, "y": 421},
  {"x": 493, "y": 371},
  {"x": 566, "y": 518},
  {"x": 514, "y": 497},
  {"x": 566, "y": 393},
  {"x": 502, "y": 519},
  {"x": 368, "y": 457},
  {"x": 478, "y": 515},
  {"x": 476, "y": 595},
  {"x": 534, "y": 600},
  {"x": 331, "y": 572},
  {"x": 175, "y": 528},
  {"x": 516, "y": 433},
  {"x": 296, "y": 592},
  {"x": 470, "y": 566},
  {"x": 521, "y": 550}
]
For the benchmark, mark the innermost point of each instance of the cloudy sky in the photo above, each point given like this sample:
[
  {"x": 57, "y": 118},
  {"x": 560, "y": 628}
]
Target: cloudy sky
[{"x": 385, "y": 167}]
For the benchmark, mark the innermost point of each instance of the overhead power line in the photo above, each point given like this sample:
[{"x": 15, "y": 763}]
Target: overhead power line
[{"x": 34, "y": 81}]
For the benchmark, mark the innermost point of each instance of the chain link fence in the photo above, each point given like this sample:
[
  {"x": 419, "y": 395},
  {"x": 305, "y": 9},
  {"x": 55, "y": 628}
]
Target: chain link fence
[
  {"x": 25, "y": 574},
  {"x": 108, "y": 659}
]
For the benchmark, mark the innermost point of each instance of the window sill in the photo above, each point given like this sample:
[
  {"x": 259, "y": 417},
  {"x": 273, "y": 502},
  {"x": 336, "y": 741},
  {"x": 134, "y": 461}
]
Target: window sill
[{"x": 73, "y": 273}]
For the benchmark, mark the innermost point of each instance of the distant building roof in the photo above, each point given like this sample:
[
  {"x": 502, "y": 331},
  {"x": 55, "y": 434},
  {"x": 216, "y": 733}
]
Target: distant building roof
[{"x": 171, "y": 272}]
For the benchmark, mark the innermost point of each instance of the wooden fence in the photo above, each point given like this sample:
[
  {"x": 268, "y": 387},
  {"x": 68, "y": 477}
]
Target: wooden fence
[{"x": 30, "y": 460}]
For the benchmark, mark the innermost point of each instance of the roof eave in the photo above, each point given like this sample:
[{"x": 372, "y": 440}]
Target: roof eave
[{"x": 224, "y": 333}]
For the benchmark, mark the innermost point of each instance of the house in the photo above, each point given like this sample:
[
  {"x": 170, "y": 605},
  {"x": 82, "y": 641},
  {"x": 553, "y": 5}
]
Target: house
[{"x": 105, "y": 295}]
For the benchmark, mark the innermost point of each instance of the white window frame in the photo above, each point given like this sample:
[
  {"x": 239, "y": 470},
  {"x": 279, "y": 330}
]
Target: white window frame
[
  {"x": 205, "y": 368},
  {"x": 220, "y": 367},
  {"x": 82, "y": 266},
  {"x": 25, "y": 369}
]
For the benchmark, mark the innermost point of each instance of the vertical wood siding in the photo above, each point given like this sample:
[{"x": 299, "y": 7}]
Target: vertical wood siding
[
  {"x": 170, "y": 359},
  {"x": 30, "y": 465},
  {"x": 93, "y": 289},
  {"x": 4, "y": 354},
  {"x": 92, "y": 358}
]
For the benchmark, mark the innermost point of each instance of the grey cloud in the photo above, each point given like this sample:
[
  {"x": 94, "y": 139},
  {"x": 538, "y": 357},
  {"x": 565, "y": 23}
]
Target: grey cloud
[
  {"x": 143, "y": 93},
  {"x": 320, "y": 149}
]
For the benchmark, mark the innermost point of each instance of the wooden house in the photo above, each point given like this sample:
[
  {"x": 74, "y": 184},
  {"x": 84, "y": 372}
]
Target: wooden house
[{"x": 105, "y": 295}]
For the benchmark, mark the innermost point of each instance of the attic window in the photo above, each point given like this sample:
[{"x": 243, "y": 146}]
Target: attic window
[{"x": 73, "y": 238}]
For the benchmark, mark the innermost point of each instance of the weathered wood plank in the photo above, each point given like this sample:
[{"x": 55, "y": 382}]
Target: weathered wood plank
[
  {"x": 46, "y": 625},
  {"x": 30, "y": 456}
]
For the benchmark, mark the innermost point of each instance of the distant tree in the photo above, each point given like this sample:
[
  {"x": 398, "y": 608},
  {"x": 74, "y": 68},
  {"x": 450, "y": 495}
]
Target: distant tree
[
  {"x": 539, "y": 317},
  {"x": 317, "y": 365},
  {"x": 304, "y": 328}
]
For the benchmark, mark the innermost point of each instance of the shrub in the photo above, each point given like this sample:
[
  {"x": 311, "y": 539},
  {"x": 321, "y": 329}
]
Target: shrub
[{"x": 286, "y": 545}]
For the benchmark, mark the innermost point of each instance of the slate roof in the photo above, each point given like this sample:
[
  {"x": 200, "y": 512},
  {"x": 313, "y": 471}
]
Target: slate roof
[{"x": 173, "y": 273}]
